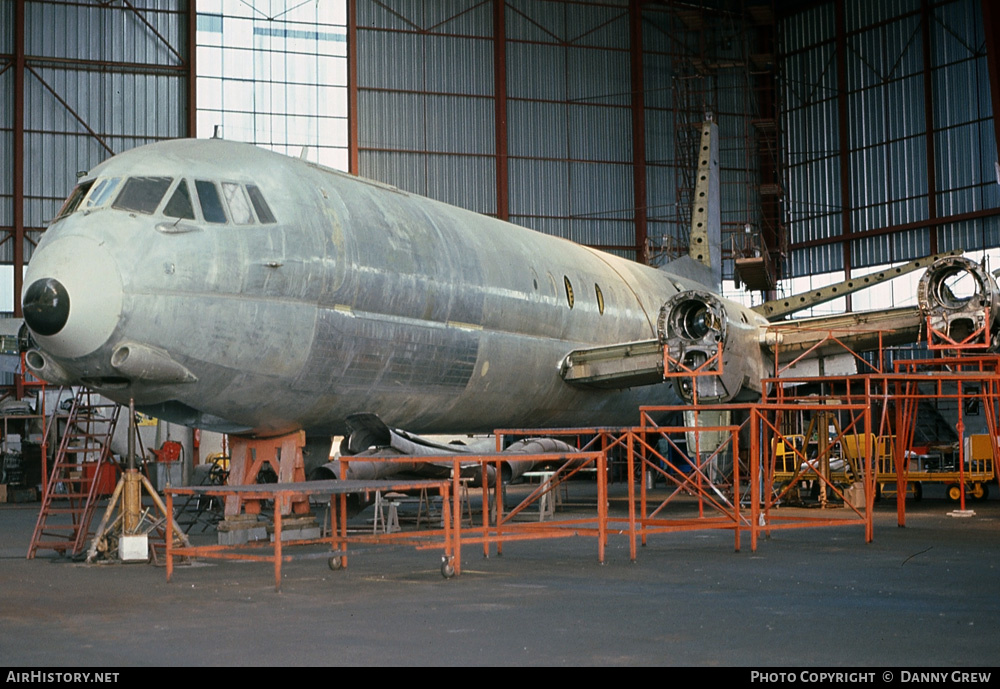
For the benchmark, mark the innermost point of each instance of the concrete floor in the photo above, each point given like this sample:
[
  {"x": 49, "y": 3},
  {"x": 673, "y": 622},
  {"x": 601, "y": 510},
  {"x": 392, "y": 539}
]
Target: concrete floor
[{"x": 926, "y": 595}]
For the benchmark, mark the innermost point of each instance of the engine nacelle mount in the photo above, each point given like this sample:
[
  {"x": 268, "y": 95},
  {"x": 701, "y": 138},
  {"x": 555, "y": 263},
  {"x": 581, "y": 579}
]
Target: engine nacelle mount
[
  {"x": 961, "y": 303},
  {"x": 713, "y": 346}
]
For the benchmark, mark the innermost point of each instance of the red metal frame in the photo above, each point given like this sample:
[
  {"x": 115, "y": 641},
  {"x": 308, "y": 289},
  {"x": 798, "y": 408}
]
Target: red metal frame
[
  {"x": 982, "y": 371},
  {"x": 299, "y": 492},
  {"x": 977, "y": 340},
  {"x": 829, "y": 337},
  {"x": 499, "y": 527},
  {"x": 764, "y": 429},
  {"x": 674, "y": 368}
]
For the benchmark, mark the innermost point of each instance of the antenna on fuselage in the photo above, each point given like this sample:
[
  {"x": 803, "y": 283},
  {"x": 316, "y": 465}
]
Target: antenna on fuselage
[
  {"x": 302, "y": 154},
  {"x": 217, "y": 132}
]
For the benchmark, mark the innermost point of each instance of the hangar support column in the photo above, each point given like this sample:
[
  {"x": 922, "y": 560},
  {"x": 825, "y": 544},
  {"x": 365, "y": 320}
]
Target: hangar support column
[
  {"x": 18, "y": 162},
  {"x": 638, "y": 131},
  {"x": 991, "y": 29},
  {"x": 500, "y": 107}
]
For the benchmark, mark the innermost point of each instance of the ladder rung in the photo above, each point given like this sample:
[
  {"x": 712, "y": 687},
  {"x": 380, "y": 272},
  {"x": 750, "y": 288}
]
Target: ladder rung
[{"x": 88, "y": 435}]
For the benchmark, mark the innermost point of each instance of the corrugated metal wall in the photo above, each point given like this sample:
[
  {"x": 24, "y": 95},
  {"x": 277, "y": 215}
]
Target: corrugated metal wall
[
  {"x": 88, "y": 99},
  {"x": 98, "y": 79},
  {"x": 913, "y": 125},
  {"x": 427, "y": 112},
  {"x": 570, "y": 122},
  {"x": 425, "y": 99}
]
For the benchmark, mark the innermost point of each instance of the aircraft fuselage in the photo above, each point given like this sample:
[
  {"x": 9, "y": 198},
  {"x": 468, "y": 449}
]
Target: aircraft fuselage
[{"x": 292, "y": 296}]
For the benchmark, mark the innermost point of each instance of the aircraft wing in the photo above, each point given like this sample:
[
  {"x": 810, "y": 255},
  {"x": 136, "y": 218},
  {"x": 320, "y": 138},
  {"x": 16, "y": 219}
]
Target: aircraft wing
[
  {"x": 856, "y": 332},
  {"x": 958, "y": 305}
]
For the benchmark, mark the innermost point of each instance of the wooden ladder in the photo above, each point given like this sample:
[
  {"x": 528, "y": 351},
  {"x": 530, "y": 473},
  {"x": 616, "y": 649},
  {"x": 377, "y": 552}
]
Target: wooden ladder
[{"x": 71, "y": 494}]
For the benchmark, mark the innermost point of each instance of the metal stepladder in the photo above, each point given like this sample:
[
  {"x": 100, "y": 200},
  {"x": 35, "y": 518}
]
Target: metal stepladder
[{"x": 72, "y": 490}]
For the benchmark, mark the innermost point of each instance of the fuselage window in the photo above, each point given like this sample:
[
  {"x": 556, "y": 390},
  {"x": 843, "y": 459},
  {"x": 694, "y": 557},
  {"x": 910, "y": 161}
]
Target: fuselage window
[
  {"x": 102, "y": 192},
  {"x": 142, "y": 194},
  {"x": 600, "y": 298},
  {"x": 211, "y": 203},
  {"x": 569, "y": 291},
  {"x": 238, "y": 206},
  {"x": 75, "y": 197},
  {"x": 179, "y": 205},
  {"x": 260, "y": 205}
]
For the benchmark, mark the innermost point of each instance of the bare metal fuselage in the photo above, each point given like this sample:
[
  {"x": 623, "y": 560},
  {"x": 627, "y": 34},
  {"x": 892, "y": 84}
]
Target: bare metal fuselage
[{"x": 360, "y": 298}]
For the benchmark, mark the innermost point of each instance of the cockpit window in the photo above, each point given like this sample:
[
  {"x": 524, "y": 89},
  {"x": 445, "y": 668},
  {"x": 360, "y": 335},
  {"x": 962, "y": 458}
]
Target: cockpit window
[
  {"x": 179, "y": 205},
  {"x": 102, "y": 192},
  {"x": 142, "y": 194},
  {"x": 238, "y": 206},
  {"x": 75, "y": 197},
  {"x": 211, "y": 203},
  {"x": 264, "y": 213}
]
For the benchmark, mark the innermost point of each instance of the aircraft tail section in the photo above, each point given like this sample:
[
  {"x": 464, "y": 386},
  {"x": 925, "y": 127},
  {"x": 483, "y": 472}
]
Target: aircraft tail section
[{"x": 704, "y": 260}]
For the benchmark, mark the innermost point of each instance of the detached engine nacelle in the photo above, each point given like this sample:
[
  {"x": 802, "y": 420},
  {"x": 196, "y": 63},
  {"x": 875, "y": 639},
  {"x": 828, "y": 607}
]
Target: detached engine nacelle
[
  {"x": 961, "y": 303},
  {"x": 713, "y": 346}
]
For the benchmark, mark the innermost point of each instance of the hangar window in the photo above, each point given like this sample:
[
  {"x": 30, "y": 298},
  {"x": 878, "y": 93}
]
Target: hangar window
[
  {"x": 239, "y": 208},
  {"x": 260, "y": 205},
  {"x": 142, "y": 194},
  {"x": 75, "y": 197},
  {"x": 211, "y": 202},
  {"x": 101, "y": 192},
  {"x": 179, "y": 205},
  {"x": 569, "y": 291}
]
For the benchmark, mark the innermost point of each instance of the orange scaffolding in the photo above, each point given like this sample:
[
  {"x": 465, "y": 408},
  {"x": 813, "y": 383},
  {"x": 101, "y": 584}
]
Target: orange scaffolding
[
  {"x": 762, "y": 454},
  {"x": 960, "y": 372},
  {"x": 969, "y": 380},
  {"x": 284, "y": 494},
  {"x": 496, "y": 524},
  {"x": 691, "y": 469}
]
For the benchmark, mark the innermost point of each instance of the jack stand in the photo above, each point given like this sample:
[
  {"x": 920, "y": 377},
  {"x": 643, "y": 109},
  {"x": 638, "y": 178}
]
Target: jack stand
[{"x": 128, "y": 534}]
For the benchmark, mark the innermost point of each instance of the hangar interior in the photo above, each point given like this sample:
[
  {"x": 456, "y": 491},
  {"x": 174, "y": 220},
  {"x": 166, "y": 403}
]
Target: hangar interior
[
  {"x": 853, "y": 136},
  {"x": 844, "y": 145}
]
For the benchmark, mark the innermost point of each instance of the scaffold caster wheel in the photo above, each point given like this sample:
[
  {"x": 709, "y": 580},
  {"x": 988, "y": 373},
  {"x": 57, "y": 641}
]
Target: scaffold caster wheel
[
  {"x": 447, "y": 567},
  {"x": 980, "y": 491},
  {"x": 336, "y": 562},
  {"x": 954, "y": 492}
]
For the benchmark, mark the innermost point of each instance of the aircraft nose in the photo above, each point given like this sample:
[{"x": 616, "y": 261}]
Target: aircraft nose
[
  {"x": 46, "y": 306},
  {"x": 73, "y": 300}
]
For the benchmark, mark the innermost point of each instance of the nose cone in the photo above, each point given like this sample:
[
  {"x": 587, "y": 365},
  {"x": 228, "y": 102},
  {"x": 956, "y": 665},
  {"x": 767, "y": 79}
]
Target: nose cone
[
  {"x": 73, "y": 300},
  {"x": 46, "y": 306}
]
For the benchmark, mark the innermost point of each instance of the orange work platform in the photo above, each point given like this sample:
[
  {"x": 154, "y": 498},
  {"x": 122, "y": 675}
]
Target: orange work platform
[
  {"x": 725, "y": 466},
  {"x": 496, "y": 524},
  {"x": 337, "y": 491}
]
